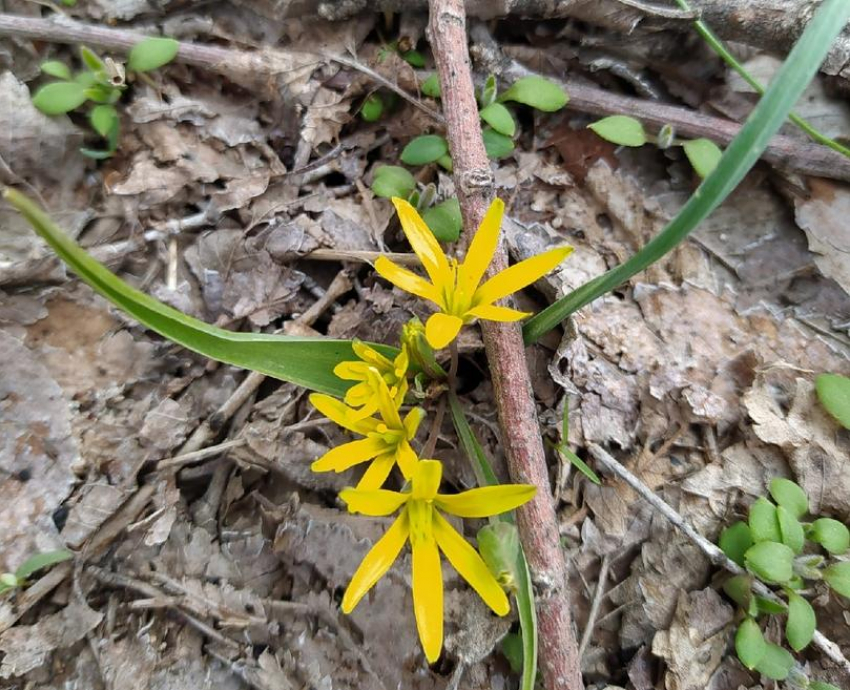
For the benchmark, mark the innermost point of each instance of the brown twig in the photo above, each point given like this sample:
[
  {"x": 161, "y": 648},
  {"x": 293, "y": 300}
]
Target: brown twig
[{"x": 523, "y": 445}]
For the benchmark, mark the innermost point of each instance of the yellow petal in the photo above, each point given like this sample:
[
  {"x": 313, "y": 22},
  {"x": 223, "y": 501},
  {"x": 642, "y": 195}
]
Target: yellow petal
[
  {"x": 412, "y": 420},
  {"x": 426, "y": 480},
  {"x": 406, "y": 458},
  {"x": 428, "y": 596},
  {"x": 375, "y": 502},
  {"x": 340, "y": 413},
  {"x": 358, "y": 395},
  {"x": 406, "y": 280},
  {"x": 401, "y": 363},
  {"x": 377, "y": 472},
  {"x": 347, "y": 455},
  {"x": 351, "y": 371},
  {"x": 423, "y": 242},
  {"x": 486, "y": 501},
  {"x": 481, "y": 249},
  {"x": 376, "y": 563},
  {"x": 370, "y": 355},
  {"x": 493, "y": 312},
  {"x": 386, "y": 404},
  {"x": 470, "y": 565},
  {"x": 519, "y": 276},
  {"x": 441, "y": 329}
]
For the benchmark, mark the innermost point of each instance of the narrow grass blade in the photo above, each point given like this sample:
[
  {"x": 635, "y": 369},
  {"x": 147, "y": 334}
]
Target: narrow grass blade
[
  {"x": 739, "y": 157},
  {"x": 307, "y": 362},
  {"x": 525, "y": 593}
]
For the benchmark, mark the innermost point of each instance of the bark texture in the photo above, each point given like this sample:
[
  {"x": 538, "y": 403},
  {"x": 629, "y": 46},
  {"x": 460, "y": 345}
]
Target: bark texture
[{"x": 521, "y": 439}]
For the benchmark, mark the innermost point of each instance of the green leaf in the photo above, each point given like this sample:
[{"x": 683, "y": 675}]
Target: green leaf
[
  {"x": 801, "y": 624},
  {"x": 446, "y": 162},
  {"x": 776, "y": 663},
  {"x": 372, "y": 108},
  {"x": 764, "y": 525},
  {"x": 703, "y": 154},
  {"x": 499, "y": 118},
  {"x": 621, "y": 130},
  {"x": 579, "y": 464},
  {"x": 59, "y": 97},
  {"x": 9, "y": 580},
  {"x": 739, "y": 589},
  {"x": 497, "y": 145},
  {"x": 837, "y": 576},
  {"x": 834, "y": 394},
  {"x": 57, "y": 69},
  {"x": 104, "y": 119},
  {"x": 772, "y": 562},
  {"x": 769, "y": 606},
  {"x": 444, "y": 220},
  {"x": 750, "y": 643},
  {"x": 740, "y": 156},
  {"x": 488, "y": 92},
  {"x": 307, "y": 362},
  {"x": 152, "y": 53},
  {"x": 524, "y": 591},
  {"x": 537, "y": 92},
  {"x": 414, "y": 58},
  {"x": 820, "y": 685},
  {"x": 431, "y": 86},
  {"x": 41, "y": 560},
  {"x": 91, "y": 59},
  {"x": 735, "y": 540},
  {"x": 512, "y": 650},
  {"x": 393, "y": 180},
  {"x": 791, "y": 529},
  {"x": 790, "y": 496},
  {"x": 831, "y": 535},
  {"x": 424, "y": 149},
  {"x": 498, "y": 545}
]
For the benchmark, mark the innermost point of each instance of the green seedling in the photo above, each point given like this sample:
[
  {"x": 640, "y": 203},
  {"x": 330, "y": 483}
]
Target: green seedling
[{"x": 11, "y": 581}]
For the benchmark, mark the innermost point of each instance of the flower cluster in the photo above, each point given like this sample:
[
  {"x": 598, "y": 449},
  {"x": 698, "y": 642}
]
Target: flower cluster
[{"x": 372, "y": 409}]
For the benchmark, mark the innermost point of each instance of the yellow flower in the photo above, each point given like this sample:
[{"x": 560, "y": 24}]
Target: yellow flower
[
  {"x": 363, "y": 394},
  {"x": 456, "y": 288},
  {"x": 429, "y": 533},
  {"x": 386, "y": 442}
]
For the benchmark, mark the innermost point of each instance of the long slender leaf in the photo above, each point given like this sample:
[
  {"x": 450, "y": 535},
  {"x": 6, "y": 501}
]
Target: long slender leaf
[
  {"x": 525, "y": 593},
  {"x": 307, "y": 362},
  {"x": 739, "y": 157}
]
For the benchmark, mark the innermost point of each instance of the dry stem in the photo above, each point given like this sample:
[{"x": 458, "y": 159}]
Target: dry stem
[{"x": 521, "y": 437}]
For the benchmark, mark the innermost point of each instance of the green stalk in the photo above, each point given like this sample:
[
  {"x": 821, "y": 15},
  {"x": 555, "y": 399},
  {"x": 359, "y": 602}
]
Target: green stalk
[{"x": 742, "y": 153}]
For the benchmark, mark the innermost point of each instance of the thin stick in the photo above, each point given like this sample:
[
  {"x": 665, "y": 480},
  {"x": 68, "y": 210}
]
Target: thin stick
[
  {"x": 523, "y": 445},
  {"x": 595, "y": 605},
  {"x": 715, "y": 555}
]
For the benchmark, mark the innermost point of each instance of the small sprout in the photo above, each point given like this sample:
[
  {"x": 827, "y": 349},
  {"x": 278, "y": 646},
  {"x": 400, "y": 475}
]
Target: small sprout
[
  {"x": 621, "y": 130},
  {"x": 801, "y": 624},
  {"x": 152, "y": 53},
  {"x": 499, "y": 118},
  {"x": 392, "y": 180},
  {"x": 739, "y": 589},
  {"x": 104, "y": 119},
  {"x": 666, "y": 137},
  {"x": 413, "y": 58},
  {"x": 735, "y": 540},
  {"x": 750, "y": 643},
  {"x": 791, "y": 530},
  {"x": 431, "y": 86},
  {"x": 764, "y": 525},
  {"x": 837, "y": 576},
  {"x": 372, "y": 108},
  {"x": 831, "y": 535},
  {"x": 703, "y": 154},
  {"x": 91, "y": 59},
  {"x": 808, "y": 567},
  {"x": 790, "y": 496},
  {"x": 55, "y": 68},
  {"x": 424, "y": 149},
  {"x": 772, "y": 562},
  {"x": 834, "y": 394},
  {"x": 776, "y": 663},
  {"x": 444, "y": 220},
  {"x": 497, "y": 145},
  {"x": 537, "y": 92},
  {"x": 770, "y": 606},
  {"x": 488, "y": 92},
  {"x": 59, "y": 97},
  {"x": 445, "y": 162}
]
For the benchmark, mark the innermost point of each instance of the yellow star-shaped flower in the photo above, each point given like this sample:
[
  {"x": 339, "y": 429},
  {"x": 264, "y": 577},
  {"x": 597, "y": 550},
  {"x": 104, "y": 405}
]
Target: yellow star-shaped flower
[
  {"x": 386, "y": 442},
  {"x": 421, "y": 523},
  {"x": 456, "y": 288},
  {"x": 363, "y": 393}
]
